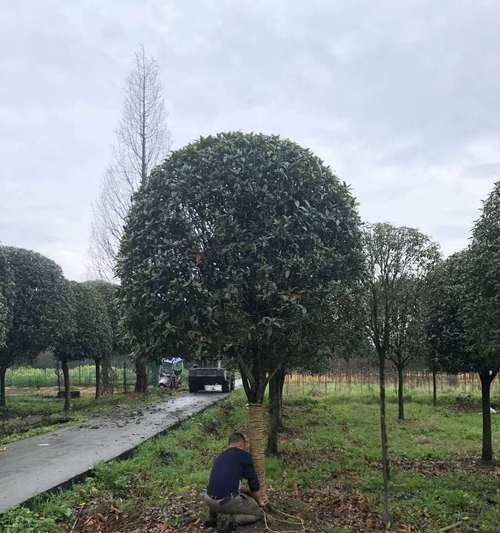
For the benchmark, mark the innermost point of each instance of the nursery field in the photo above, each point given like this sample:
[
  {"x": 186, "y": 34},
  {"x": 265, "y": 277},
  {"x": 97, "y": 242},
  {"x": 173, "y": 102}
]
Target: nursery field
[
  {"x": 80, "y": 376},
  {"x": 327, "y": 473}
]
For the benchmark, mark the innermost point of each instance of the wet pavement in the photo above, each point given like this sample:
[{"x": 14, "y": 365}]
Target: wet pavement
[{"x": 35, "y": 465}]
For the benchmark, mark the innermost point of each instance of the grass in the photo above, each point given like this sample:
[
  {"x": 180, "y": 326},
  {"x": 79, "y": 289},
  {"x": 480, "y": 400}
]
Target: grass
[
  {"x": 327, "y": 472},
  {"x": 80, "y": 376}
]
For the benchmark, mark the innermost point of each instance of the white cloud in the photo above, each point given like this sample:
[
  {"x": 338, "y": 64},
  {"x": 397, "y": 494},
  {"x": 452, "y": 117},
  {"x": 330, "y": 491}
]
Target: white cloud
[{"x": 402, "y": 99}]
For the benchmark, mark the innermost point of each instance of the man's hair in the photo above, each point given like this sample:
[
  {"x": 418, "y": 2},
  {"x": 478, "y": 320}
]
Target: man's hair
[{"x": 237, "y": 436}]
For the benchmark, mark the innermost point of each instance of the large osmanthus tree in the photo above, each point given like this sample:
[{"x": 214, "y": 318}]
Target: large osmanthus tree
[
  {"x": 6, "y": 291},
  {"x": 408, "y": 341},
  {"x": 396, "y": 258},
  {"x": 84, "y": 332},
  {"x": 463, "y": 322},
  {"x": 230, "y": 247},
  {"x": 34, "y": 304},
  {"x": 66, "y": 345},
  {"x": 334, "y": 331},
  {"x": 93, "y": 328},
  {"x": 108, "y": 293}
]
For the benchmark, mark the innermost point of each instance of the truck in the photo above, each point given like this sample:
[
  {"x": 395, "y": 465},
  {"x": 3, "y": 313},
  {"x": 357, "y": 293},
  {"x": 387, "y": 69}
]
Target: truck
[{"x": 210, "y": 373}]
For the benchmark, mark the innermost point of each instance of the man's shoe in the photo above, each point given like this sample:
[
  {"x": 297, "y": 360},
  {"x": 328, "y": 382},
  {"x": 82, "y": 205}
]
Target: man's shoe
[{"x": 210, "y": 524}]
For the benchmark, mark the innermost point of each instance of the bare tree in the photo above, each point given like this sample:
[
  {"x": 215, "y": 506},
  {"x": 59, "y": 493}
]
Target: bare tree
[{"x": 142, "y": 141}]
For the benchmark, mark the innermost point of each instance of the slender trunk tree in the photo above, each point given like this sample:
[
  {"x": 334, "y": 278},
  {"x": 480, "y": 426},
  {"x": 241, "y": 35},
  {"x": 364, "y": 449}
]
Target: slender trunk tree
[
  {"x": 67, "y": 385},
  {"x": 486, "y": 378},
  {"x": 107, "y": 375},
  {"x": 125, "y": 387},
  {"x": 141, "y": 375},
  {"x": 434, "y": 387},
  {"x": 458, "y": 328},
  {"x": 395, "y": 257},
  {"x": 3, "y": 371},
  {"x": 401, "y": 401},
  {"x": 384, "y": 440},
  {"x": 275, "y": 411},
  {"x": 98, "y": 384}
]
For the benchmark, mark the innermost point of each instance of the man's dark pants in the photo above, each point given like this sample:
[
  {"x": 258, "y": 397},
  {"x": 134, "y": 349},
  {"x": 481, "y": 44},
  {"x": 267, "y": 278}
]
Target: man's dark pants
[{"x": 244, "y": 509}]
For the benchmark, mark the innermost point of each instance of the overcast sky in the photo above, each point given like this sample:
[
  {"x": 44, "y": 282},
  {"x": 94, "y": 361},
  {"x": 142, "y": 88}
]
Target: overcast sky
[{"x": 400, "y": 98}]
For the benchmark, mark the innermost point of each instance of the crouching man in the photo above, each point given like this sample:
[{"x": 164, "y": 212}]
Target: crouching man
[{"x": 224, "y": 495}]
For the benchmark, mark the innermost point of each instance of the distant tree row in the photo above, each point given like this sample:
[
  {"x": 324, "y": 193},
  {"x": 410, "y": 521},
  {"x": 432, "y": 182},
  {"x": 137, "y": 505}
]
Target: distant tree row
[{"x": 41, "y": 310}]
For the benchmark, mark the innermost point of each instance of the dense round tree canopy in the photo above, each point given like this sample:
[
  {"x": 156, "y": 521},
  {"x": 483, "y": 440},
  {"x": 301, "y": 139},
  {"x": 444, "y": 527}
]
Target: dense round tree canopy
[
  {"x": 6, "y": 291},
  {"x": 38, "y": 289},
  {"x": 93, "y": 330},
  {"x": 483, "y": 318},
  {"x": 232, "y": 247},
  {"x": 34, "y": 307},
  {"x": 231, "y": 243}
]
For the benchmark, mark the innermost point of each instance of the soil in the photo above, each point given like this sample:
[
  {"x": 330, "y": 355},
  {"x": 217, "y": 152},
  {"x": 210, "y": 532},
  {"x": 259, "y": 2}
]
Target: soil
[{"x": 320, "y": 511}]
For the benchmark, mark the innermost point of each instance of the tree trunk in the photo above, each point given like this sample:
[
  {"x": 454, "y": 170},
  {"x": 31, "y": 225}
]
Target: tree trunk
[
  {"x": 3, "y": 371},
  {"x": 280, "y": 389},
  {"x": 401, "y": 400},
  {"x": 274, "y": 415},
  {"x": 67, "y": 386},
  {"x": 58, "y": 377},
  {"x": 256, "y": 435},
  {"x": 107, "y": 376},
  {"x": 97, "y": 378},
  {"x": 383, "y": 440},
  {"x": 125, "y": 376},
  {"x": 434, "y": 388},
  {"x": 141, "y": 372},
  {"x": 487, "y": 451}
]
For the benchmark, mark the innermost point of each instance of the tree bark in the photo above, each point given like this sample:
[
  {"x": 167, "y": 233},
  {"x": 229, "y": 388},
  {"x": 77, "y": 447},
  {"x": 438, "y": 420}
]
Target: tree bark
[
  {"x": 383, "y": 440},
  {"x": 97, "y": 378},
  {"x": 434, "y": 388},
  {"x": 58, "y": 369},
  {"x": 3, "y": 371},
  {"x": 274, "y": 415},
  {"x": 401, "y": 400},
  {"x": 125, "y": 376},
  {"x": 487, "y": 451},
  {"x": 141, "y": 373},
  {"x": 256, "y": 435},
  {"x": 107, "y": 376},
  {"x": 67, "y": 386},
  {"x": 280, "y": 389}
]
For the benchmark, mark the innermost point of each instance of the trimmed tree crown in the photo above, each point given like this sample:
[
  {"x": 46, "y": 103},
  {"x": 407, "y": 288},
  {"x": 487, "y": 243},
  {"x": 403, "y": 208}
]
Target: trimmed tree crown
[
  {"x": 230, "y": 247},
  {"x": 38, "y": 287}
]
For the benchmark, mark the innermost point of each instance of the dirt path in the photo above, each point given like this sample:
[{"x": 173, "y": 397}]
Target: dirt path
[{"x": 32, "y": 466}]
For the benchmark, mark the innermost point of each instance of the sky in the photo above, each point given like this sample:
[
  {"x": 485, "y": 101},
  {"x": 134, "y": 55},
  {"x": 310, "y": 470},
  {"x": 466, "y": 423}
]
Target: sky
[{"x": 401, "y": 99}]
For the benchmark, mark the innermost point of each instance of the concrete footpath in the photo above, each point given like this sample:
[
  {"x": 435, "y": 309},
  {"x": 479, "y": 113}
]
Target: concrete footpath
[{"x": 35, "y": 465}]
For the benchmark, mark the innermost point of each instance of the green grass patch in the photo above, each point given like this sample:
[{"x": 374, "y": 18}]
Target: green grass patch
[
  {"x": 330, "y": 450},
  {"x": 80, "y": 376}
]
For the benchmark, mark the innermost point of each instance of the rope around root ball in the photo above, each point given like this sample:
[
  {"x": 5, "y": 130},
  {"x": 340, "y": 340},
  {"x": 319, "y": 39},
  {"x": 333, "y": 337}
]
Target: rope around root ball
[
  {"x": 256, "y": 432},
  {"x": 292, "y": 521}
]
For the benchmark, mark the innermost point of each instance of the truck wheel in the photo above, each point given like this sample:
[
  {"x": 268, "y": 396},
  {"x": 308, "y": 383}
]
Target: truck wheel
[
  {"x": 226, "y": 387},
  {"x": 193, "y": 388}
]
